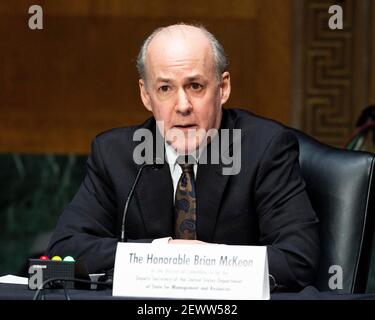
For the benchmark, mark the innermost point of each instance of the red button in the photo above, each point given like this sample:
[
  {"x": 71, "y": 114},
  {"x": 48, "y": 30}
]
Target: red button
[{"x": 43, "y": 258}]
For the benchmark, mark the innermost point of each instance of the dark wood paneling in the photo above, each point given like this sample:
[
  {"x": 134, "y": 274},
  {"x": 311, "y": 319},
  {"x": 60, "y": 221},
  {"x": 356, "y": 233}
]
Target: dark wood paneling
[
  {"x": 273, "y": 47},
  {"x": 138, "y": 8},
  {"x": 62, "y": 85}
]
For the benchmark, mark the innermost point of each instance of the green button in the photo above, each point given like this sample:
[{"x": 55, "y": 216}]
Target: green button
[{"x": 69, "y": 259}]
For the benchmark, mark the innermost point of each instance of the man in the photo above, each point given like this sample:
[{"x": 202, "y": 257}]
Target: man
[{"x": 184, "y": 82}]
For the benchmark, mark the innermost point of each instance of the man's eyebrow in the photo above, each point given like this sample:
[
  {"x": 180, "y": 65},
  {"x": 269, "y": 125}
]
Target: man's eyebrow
[
  {"x": 191, "y": 78},
  {"x": 166, "y": 80},
  {"x": 195, "y": 77}
]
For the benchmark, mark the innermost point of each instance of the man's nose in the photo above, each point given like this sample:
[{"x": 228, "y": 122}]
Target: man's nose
[{"x": 183, "y": 104}]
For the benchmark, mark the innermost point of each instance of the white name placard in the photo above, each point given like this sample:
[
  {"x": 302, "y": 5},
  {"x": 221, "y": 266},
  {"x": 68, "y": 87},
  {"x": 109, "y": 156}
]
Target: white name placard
[{"x": 191, "y": 271}]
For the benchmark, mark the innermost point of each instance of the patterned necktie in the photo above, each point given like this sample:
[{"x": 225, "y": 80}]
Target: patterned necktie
[{"x": 185, "y": 201}]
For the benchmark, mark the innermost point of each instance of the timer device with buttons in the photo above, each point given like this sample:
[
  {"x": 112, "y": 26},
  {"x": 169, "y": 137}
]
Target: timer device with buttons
[{"x": 44, "y": 269}]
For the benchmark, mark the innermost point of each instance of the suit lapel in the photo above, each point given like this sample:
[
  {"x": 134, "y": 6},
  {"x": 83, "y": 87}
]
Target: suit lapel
[
  {"x": 155, "y": 197},
  {"x": 155, "y": 194},
  {"x": 210, "y": 186}
]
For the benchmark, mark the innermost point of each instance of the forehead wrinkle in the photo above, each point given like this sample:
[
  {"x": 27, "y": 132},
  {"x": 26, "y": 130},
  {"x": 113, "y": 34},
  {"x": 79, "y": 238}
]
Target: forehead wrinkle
[
  {"x": 187, "y": 78},
  {"x": 186, "y": 68}
]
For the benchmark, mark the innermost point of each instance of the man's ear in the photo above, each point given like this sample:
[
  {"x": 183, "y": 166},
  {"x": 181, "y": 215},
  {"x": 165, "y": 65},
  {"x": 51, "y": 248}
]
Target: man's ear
[
  {"x": 144, "y": 95},
  {"x": 225, "y": 87}
]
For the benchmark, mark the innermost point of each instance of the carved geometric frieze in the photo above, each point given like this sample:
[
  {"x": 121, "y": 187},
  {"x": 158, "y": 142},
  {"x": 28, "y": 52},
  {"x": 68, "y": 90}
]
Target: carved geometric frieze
[{"x": 330, "y": 70}]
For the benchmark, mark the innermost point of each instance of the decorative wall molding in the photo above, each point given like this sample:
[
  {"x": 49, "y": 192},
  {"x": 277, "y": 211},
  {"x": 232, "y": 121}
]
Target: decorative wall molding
[{"x": 330, "y": 68}]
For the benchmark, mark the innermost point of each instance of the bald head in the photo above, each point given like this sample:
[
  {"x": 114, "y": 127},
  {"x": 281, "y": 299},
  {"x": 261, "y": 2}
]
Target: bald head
[
  {"x": 179, "y": 40},
  {"x": 184, "y": 83}
]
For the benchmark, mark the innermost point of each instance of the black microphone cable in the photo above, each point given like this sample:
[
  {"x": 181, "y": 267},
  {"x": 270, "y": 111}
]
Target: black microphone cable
[{"x": 41, "y": 288}]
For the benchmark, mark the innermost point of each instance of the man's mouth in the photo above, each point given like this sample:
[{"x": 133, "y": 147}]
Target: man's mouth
[{"x": 186, "y": 126}]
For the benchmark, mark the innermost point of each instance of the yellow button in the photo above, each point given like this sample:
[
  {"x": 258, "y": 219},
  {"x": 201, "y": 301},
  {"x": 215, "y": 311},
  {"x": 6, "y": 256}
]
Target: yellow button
[{"x": 56, "y": 258}]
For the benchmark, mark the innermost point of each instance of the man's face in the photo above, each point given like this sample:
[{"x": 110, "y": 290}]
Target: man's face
[{"x": 182, "y": 88}]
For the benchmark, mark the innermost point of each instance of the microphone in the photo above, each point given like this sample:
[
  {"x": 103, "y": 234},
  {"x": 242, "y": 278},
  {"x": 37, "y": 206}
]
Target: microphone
[{"x": 156, "y": 165}]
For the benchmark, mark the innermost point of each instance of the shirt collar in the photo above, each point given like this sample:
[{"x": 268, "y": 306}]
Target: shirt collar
[{"x": 172, "y": 155}]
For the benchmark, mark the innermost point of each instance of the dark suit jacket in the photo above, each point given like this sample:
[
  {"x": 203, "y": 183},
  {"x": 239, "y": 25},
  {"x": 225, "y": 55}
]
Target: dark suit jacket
[{"x": 265, "y": 204}]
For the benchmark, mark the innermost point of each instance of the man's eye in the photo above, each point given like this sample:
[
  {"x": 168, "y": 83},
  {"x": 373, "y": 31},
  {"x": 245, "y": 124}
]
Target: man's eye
[
  {"x": 196, "y": 86},
  {"x": 164, "y": 88}
]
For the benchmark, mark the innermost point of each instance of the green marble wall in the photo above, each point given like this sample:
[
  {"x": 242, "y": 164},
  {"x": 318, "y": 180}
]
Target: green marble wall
[{"x": 33, "y": 191}]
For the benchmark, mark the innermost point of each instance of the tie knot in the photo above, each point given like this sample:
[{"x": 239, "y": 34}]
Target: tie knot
[{"x": 186, "y": 163}]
